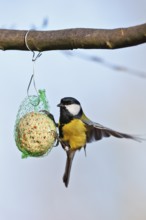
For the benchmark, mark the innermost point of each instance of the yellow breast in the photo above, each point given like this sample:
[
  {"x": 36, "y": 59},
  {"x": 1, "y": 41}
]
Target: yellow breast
[{"x": 75, "y": 134}]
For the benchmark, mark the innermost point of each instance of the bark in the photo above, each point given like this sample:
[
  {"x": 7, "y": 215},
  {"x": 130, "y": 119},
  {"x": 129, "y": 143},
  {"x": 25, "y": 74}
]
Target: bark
[{"x": 68, "y": 39}]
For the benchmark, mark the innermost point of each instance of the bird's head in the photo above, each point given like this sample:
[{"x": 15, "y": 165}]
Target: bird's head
[{"x": 70, "y": 106}]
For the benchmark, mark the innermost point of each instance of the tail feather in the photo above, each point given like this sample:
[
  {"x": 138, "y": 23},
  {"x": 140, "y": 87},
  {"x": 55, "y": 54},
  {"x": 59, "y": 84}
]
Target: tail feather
[{"x": 69, "y": 160}]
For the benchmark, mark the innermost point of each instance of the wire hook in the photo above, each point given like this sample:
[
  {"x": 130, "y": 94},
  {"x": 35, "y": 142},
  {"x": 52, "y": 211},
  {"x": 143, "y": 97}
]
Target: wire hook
[
  {"x": 34, "y": 58},
  {"x": 26, "y": 43}
]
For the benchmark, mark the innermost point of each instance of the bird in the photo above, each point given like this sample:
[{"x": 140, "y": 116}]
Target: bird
[{"x": 76, "y": 130}]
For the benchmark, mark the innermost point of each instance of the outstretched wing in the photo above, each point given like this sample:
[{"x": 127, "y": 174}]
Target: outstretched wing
[{"x": 96, "y": 132}]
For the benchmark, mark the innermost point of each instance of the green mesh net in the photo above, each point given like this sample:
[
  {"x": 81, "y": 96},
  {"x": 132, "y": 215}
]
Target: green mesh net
[{"x": 35, "y": 132}]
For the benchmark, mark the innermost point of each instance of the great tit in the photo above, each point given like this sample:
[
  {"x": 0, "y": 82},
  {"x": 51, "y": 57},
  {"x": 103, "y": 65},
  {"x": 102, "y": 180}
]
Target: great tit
[{"x": 76, "y": 130}]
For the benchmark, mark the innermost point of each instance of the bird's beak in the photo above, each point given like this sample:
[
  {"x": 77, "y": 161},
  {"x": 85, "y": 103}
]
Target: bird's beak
[{"x": 60, "y": 105}]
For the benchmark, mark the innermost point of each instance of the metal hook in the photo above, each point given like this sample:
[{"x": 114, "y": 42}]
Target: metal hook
[
  {"x": 34, "y": 58},
  {"x": 26, "y": 43}
]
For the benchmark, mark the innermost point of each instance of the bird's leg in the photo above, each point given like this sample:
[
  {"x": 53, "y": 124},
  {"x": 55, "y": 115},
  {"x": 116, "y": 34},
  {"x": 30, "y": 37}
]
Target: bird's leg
[
  {"x": 57, "y": 140},
  {"x": 50, "y": 116},
  {"x": 64, "y": 145},
  {"x": 56, "y": 124}
]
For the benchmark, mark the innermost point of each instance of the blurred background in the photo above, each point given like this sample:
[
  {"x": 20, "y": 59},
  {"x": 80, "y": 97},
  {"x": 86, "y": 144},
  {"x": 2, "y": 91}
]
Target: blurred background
[{"x": 110, "y": 182}]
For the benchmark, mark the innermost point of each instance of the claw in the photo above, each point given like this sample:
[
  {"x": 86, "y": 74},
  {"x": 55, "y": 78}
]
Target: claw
[{"x": 50, "y": 116}]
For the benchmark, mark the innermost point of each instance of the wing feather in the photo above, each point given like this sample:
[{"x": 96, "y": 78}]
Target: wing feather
[{"x": 96, "y": 132}]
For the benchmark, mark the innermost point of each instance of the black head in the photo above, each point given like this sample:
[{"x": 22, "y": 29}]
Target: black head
[
  {"x": 70, "y": 108},
  {"x": 68, "y": 101}
]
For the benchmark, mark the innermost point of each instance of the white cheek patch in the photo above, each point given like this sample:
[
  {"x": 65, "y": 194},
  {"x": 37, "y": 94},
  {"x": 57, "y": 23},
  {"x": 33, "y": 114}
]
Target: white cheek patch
[{"x": 74, "y": 109}]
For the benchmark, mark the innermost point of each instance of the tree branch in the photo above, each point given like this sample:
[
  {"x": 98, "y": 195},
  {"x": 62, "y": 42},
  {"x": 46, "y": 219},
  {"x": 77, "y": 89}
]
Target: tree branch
[{"x": 73, "y": 38}]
